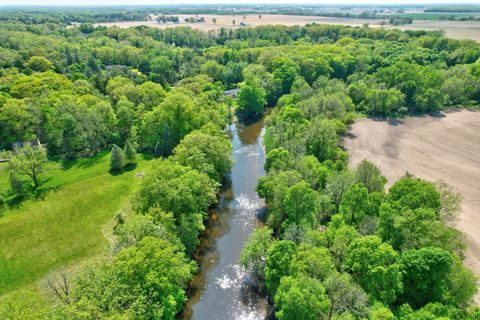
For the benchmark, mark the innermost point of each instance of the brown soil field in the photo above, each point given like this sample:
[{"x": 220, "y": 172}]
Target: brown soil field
[
  {"x": 444, "y": 146},
  {"x": 453, "y": 29}
]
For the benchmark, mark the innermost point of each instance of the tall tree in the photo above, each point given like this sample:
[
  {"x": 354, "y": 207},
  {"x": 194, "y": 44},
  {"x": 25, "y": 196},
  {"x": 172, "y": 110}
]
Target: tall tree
[
  {"x": 130, "y": 153},
  {"x": 117, "y": 159}
]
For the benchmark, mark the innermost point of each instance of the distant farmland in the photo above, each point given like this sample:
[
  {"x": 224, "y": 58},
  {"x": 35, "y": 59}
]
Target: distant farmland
[{"x": 453, "y": 29}]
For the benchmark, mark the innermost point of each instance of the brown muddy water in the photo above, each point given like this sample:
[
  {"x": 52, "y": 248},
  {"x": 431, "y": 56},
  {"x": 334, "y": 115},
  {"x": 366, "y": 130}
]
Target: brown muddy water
[{"x": 221, "y": 290}]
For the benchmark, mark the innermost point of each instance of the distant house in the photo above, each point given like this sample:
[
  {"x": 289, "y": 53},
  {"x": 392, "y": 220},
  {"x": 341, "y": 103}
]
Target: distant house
[{"x": 233, "y": 93}]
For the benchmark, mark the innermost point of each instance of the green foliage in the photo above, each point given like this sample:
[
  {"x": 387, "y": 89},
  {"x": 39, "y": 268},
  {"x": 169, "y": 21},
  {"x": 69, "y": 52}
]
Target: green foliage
[
  {"x": 255, "y": 250},
  {"x": 354, "y": 204},
  {"x": 208, "y": 150},
  {"x": 312, "y": 262},
  {"x": 301, "y": 205},
  {"x": 345, "y": 296},
  {"x": 277, "y": 264},
  {"x": 415, "y": 193},
  {"x": 321, "y": 139},
  {"x": 164, "y": 127},
  {"x": 28, "y": 160},
  {"x": 130, "y": 153},
  {"x": 370, "y": 176},
  {"x": 277, "y": 159},
  {"x": 251, "y": 100},
  {"x": 125, "y": 286},
  {"x": 117, "y": 159},
  {"x": 82, "y": 89},
  {"x": 185, "y": 192},
  {"x": 425, "y": 275},
  {"x": 376, "y": 267},
  {"x": 23, "y": 305},
  {"x": 301, "y": 298},
  {"x": 39, "y": 64},
  {"x": 413, "y": 229}
]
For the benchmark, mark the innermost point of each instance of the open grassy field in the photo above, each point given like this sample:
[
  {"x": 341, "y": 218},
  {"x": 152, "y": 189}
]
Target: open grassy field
[
  {"x": 443, "y": 147},
  {"x": 453, "y": 29},
  {"x": 68, "y": 221}
]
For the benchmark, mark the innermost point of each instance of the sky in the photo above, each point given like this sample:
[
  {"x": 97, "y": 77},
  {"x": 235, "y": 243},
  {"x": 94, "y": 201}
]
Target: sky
[{"x": 160, "y": 2}]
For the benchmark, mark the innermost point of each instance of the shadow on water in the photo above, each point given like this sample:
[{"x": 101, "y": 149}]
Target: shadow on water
[{"x": 222, "y": 289}]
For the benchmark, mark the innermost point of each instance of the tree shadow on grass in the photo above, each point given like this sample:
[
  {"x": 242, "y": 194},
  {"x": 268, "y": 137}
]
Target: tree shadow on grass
[
  {"x": 83, "y": 162},
  {"x": 115, "y": 172},
  {"x": 40, "y": 193},
  {"x": 130, "y": 167}
]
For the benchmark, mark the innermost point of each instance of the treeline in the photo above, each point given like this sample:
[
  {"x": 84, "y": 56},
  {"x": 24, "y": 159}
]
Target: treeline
[
  {"x": 335, "y": 244},
  {"x": 454, "y": 8},
  {"x": 165, "y": 19},
  {"x": 39, "y": 16}
]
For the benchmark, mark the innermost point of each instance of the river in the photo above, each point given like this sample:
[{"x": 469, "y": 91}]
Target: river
[{"x": 219, "y": 291}]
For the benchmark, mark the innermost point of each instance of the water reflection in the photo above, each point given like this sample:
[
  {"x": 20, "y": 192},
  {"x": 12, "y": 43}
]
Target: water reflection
[{"x": 221, "y": 290}]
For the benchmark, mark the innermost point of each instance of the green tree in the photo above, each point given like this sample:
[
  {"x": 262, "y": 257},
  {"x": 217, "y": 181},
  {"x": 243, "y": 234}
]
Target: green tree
[
  {"x": 345, "y": 296},
  {"x": 277, "y": 263},
  {"x": 375, "y": 266},
  {"x": 462, "y": 284},
  {"x": 415, "y": 193},
  {"x": 185, "y": 192},
  {"x": 165, "y": 126},
  {"x": 425, "y": 275},
  {"x": 321, "y": 139},
  {"x": 28, "y": 161},
  {"x": 39, "y": 64},
  {"x": 117, "y": 159},
  {"x": 338, "y": 184},
  {"x": 354, "y": 204},
  {"x": 255, "y": 250},
  {"x": 130, "y": 153},
  {"x": 384, "y": 101},
  {"x": 313, "y": 172},
  {"x": 301, "y": 204},
  {"x": 208, "y": 150},
  {"x": 301, "y": 298},
  {"x": 277, "y": 159},
  {"x": 151, "y": 94},
  {"x": 408, "y": 229},
  {"x": 146, "y": 281},
  {"x": 370, "y": 176},
  {"x": 251, "y": 100},
  {"x": 312, "y": 262}
]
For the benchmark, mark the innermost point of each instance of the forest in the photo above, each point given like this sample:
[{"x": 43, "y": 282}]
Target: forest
[{"x": 335, "y": 244}]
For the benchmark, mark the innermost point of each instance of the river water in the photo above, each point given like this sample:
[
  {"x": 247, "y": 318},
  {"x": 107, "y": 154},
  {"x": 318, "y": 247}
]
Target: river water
[{"x": 220, "y": 290}]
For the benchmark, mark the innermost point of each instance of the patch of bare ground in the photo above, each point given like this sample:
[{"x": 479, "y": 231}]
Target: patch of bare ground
[{"x": 444, "y": 146}]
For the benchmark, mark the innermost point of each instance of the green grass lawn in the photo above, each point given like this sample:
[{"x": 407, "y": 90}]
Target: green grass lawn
[{"x": 64, "y": 224}]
